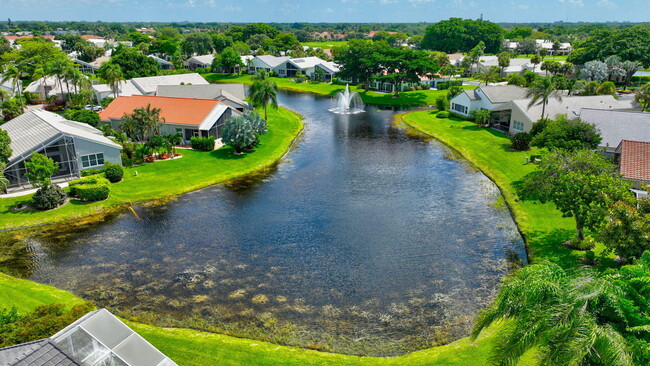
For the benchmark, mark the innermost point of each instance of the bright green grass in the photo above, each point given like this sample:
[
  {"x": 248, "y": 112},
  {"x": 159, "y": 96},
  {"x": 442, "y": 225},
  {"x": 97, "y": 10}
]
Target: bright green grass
[
  {"x": 188, "y": 347},
  {"x": 196, "y": 169},
  {"x": 417, "y": 98},
  {"x": 324, "y": 44},
  {"x": 542, "y": 225},
  {"x": 26, "y": 295}
]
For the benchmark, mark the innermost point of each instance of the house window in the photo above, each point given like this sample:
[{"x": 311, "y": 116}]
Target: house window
[
  {"x": 91, "y": 160},
  {"x": 459, "y": 108},
  {"x": 518, "y": 126}
]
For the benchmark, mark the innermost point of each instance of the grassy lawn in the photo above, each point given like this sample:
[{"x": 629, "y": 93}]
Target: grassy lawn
[
  {"x": 411, "y": 98},
  {"x": 542, "y": 225},
  {"x": 196, "y": 169},
  {"x": 188, "y": 347},
  {"x": 324, "y": 44},
  {"x": 26, "y": 295}
]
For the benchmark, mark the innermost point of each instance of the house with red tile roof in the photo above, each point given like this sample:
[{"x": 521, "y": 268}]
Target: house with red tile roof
[
  {"x": 189, "y": 117},
  {"x": 634, "y": 160}
]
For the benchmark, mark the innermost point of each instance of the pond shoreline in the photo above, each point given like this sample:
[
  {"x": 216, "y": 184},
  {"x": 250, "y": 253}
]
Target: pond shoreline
[{"x": 104, "y": 208}]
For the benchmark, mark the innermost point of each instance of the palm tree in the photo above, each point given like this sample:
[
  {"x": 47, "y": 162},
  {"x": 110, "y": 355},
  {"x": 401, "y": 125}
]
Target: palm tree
[
  {"x": 489, "y": 75},
  {"x": 540, "y": 91},
  {"x": 481, "y": 117},
  {"x": 504, "y": 60},
  {"x": 560, "y": 314},
  {"x": 643, "y": 96},
  {"x": 12, "y": 74},
  {"x": 58, "y": 69},
  {"x": 264, "y": 91},
  {"x": 112, "y": 75}
]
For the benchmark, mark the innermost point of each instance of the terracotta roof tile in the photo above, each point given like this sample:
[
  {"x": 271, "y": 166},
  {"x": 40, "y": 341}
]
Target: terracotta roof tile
[
  {"x": 173, "y": 110},
  {"x": 635, "y": 160}
]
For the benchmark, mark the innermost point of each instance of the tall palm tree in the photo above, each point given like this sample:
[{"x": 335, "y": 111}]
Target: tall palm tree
[
  {"x": 112, "y": 75},
  {"x": 561, "y": 315},
  {"x": 12, "y": 74},
  {"x": 541, "y": 91},
  {"x": 58, "y": 69},
  {"x": 264, "y": 91}
]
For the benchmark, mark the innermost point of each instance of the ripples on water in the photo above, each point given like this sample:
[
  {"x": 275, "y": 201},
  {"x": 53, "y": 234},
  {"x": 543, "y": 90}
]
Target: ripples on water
[{"x": 365, "y": 239}]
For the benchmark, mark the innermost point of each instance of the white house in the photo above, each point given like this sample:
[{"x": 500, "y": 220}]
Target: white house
[
  {"x": 75, "y": 146},
  {"x": 293, "y": 66},
  {"x": 196, "y": 62},
  {"x": 268, "y": 63},
  {"x": 516, "y": 116},
  {"x": 485, "y": 97},
  {"x": 147, "y": 85}
]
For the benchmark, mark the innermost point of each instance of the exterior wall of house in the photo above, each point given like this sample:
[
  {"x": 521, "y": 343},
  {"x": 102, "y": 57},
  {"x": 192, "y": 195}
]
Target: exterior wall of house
[
  {"x": 461, "y": 104},
  {"x": 86, "y": 148},
  {"x": 519, "y": 122}
]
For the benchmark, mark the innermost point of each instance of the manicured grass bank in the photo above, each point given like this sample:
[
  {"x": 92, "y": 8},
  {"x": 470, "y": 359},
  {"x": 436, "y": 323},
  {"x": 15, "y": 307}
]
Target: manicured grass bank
[
  {"x": 542, "y": 225},
  {"x": 163, "y": 179},
  {"x": 192, "y": 348},
  {"x": 416, "y": 98}
]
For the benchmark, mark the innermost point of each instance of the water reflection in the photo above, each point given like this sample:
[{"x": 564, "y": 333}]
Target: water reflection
[{"x": 365, "y": 239}]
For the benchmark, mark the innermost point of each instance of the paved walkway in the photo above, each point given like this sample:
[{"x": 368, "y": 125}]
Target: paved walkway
[{"x": 19, "y": 191}]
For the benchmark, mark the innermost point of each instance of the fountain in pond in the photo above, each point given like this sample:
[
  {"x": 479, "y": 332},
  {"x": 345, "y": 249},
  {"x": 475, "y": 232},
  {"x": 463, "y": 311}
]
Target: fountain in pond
[{"x": 347, "y": 103}]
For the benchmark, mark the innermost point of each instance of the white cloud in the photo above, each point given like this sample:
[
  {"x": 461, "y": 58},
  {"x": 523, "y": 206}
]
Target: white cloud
[
  {"x": 232, "y": 8},
  {"x": 576, "y": 3},
  {"x": 329, "y": 10},
  {"x": 384, "y": 2},
  {"x": 607, "y": 4}
]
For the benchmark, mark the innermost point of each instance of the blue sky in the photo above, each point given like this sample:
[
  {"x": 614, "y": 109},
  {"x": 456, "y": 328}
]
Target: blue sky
[{"x": 325, "y": 11}]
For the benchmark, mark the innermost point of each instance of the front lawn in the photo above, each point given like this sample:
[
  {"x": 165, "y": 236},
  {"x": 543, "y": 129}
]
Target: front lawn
[
  {"x": 324, "y": 44},
  {"x": 542, "y": 225},
  {"x": 196, "y": 169},
  {"x": 416, "y": 98}
]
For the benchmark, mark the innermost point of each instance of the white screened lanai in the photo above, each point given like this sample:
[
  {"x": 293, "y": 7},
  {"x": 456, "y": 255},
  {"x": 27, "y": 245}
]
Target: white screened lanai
[{"x": 100, "y": 339}]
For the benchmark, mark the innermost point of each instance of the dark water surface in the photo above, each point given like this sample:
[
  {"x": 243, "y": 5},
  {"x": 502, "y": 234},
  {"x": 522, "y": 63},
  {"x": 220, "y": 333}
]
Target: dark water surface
[{"x": 365, "y": 239}]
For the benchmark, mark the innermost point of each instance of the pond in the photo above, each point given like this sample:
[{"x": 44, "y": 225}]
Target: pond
[{"x": 366, "y": 239}]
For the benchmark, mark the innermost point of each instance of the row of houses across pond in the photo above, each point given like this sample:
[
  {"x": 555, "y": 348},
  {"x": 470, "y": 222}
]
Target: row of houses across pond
[{"x": 624, "y": 128}]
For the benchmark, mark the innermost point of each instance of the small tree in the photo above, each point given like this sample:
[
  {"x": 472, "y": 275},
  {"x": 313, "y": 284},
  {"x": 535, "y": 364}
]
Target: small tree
[
  {"x": 488, "y": 76},
  {"x": 567, "y": 134},
  {"x": 481, "y": 117},
  {"x": 264, "y": 91},
  {"x": 40, "y": 170},
  {"x": 643, "y": 96},
  {"x": 504, "y": 60},
  {"x": 5, "y": 147},
  {"x": 4, "y": 182},
  {"x": 581, "y": 184},
  {"x": 626, "y": 232},
  {"x": 243, "y": 132}
]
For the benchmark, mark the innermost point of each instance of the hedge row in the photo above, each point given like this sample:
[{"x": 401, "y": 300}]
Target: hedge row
[
  {"x": 202, "y": 143},
  {"x": 90, "y": 188}
]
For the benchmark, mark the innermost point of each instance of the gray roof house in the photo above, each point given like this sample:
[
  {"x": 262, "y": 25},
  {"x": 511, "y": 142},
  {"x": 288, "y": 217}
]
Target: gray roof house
[
  {"x": 195, "y": 62},
  {"x": 75, "y": 146},
  {"x": 96, "y": 339},
  {"x": 164, "y": 64},
  {"x": 485, "y": 97},
  {"x": 148, "y": 85},
  {"x": 232, "y": 94},
  {"x": 515, "y": 116},
  {"x": 267, "y": 62},
  {"x": 616, "y": 126}
]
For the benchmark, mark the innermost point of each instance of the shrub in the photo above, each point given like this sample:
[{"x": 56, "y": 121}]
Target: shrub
[
  {"x": 442, "y": 103},
  {"x": 106, "y": 101},
  {"x": 89, "y": 117},
  {"x": 90, "y": 188},
  {"x": 444, "y": 85},
  {"x": 92, "y": 192},
  {"x": 49, "y": 197},
  {"x": 113, "y": 172},
  {"x": 521, "y": 141},
  {"x": 41, "y": 323},
  {"x": 202, "y": 143},
  {"x": 87, "y": 172},
  {"x": 443, "y": 114}
]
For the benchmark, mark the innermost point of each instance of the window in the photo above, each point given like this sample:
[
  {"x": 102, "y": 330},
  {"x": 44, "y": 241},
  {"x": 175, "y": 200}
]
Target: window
[
  {"x": 88, "y": 161},
  {"x": 518, "y": 126},
  {"x": 459, "y": 108}
]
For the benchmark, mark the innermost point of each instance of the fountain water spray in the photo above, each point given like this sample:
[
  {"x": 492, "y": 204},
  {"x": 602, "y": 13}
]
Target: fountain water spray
[{"x": 347, "y": 103}]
